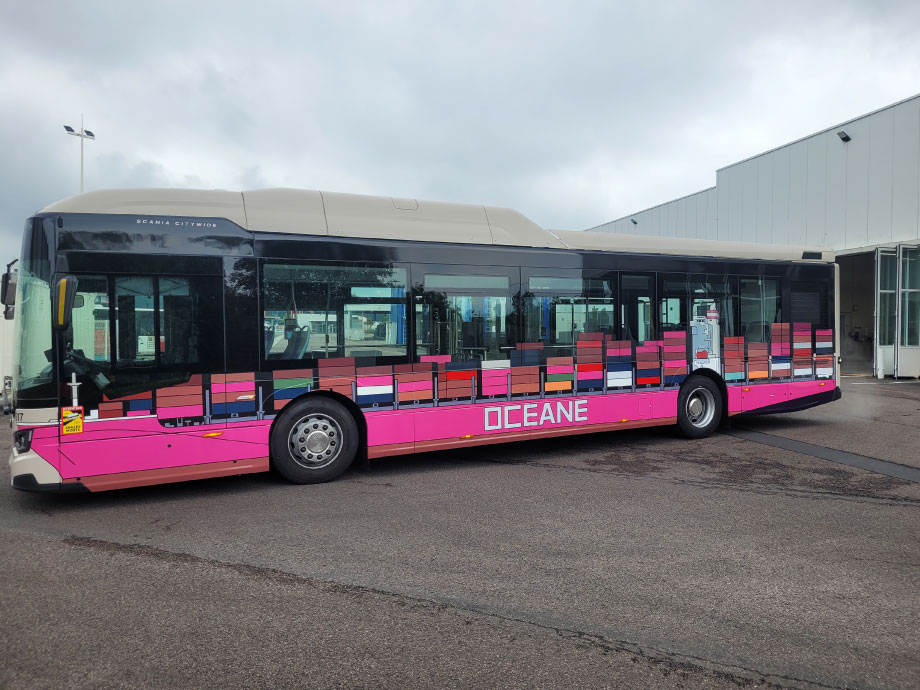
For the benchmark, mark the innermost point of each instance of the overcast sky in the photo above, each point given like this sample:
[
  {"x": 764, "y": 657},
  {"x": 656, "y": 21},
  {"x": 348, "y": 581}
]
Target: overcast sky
[{"x": 572, "y": 113}]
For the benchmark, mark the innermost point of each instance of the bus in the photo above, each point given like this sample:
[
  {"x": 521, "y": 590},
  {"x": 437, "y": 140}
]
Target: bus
[{"x": 169, "y": 335}]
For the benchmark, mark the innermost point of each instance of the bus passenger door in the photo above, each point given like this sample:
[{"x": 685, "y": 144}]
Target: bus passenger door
[{"x": 137, "y": 364}]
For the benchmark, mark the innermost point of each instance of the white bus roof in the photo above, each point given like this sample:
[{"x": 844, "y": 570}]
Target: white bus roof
[{"x": 332, "y": 214}]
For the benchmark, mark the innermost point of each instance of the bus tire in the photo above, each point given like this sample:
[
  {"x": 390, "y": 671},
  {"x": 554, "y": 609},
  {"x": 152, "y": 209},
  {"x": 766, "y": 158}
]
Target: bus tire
[
  {"x": 699, "y": 407},
  {"x": 314, "y": 440}
]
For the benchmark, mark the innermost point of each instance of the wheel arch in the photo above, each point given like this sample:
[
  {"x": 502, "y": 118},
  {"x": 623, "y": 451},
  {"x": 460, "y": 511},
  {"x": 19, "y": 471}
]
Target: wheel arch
[
  {"x": 347, "y": 403},
  {"x": 716, "y": 378}
]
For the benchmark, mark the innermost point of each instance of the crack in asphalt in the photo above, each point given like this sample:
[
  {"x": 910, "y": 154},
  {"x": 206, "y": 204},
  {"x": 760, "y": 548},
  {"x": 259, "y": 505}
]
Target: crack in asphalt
[{"x": 667, "y": 662}]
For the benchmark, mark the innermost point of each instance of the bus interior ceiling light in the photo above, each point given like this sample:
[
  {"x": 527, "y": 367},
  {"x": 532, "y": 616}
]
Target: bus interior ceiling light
[{"x": 844, "y": 137}]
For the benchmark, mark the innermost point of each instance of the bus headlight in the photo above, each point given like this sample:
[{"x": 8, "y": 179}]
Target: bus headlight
[{"x": 22, "y": 440}]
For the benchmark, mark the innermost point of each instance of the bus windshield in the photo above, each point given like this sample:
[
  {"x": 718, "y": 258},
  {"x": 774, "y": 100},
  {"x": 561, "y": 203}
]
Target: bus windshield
[{"x": 34, "y": 372}]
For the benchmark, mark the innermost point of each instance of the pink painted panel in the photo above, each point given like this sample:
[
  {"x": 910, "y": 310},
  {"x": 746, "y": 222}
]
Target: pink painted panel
[
  {"x": 385, "y": 428},
  {"x": 589, "y": 375},
  {"x": 233, "y": 387},
  {"x": 88, "y": 458},
  {"x": 559, "y": 370},
  {"x": 440, "y": 359},
  {"x": 414, "y": 386},
  {"x": 181, "y": 411},
  {"x": 754, "y": 397},
  {"x": 675, "y": 363},
  {"x": 734, "y": 399},
  {"x": 674, "y": 348},
  {"x": 376, "y": 381},
  {"x": 800, "y": 389},
  {"x": 489, "y": 418},
  {"x": 495, "y": 390},
  {"x": 138, "y": 413}
]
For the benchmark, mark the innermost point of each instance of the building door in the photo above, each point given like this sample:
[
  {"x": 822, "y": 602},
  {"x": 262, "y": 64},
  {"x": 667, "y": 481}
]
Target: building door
[
  {"x": 885, "y": 322},
  {"x": 907, "y": 343}
]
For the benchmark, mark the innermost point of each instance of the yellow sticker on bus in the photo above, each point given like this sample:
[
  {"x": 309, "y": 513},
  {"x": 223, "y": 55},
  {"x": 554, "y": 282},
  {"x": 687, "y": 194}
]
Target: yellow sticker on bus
[{"x": 71, "y": 420}]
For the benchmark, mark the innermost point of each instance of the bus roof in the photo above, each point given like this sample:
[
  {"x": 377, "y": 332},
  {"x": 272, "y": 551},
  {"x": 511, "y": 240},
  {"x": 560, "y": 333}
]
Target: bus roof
[{"x": 333, "y": 214}]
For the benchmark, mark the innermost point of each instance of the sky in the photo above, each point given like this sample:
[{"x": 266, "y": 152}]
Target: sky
[{"x": 571, "y": 113}]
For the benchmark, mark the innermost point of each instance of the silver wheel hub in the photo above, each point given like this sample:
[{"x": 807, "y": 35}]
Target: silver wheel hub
[
  {"x": 315, "y": 441},
  {"x": 700, "y": 407}
]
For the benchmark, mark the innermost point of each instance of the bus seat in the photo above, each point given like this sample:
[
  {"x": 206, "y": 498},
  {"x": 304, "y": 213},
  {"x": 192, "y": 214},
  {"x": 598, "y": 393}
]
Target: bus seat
[{"x": 297, "y": 345}]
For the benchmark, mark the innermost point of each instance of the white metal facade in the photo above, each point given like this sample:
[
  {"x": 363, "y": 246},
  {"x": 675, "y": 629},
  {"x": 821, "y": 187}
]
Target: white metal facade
[
  {"x": 818, "y": 191},
  {"x": 857, "y": 195}
]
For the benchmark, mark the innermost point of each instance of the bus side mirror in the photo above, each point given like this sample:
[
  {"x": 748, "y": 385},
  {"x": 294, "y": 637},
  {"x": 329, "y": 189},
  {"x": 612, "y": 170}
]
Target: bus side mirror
[
  {"x": 8, "y": 292},
  {"x": 62, "y": 302}
]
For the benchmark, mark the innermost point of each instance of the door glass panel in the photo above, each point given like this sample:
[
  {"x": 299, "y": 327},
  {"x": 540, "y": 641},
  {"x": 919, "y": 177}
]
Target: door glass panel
[
  {"x": 910, "y": 269},
  {"x": 90, "y": 321},
  {"x": 637, "y": 297},
  {"x": 761, "y": 305},
  {"x": 886, "y": 318},
  {"x": 134, "y": 329},
  {"x": 721, "y": 291},
  {"x": 910, "y": 318},
  {"x": 888, "y": 275}
]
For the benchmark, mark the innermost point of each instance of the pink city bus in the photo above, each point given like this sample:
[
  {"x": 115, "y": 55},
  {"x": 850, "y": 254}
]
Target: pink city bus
[{"x": 169, "y": 335}]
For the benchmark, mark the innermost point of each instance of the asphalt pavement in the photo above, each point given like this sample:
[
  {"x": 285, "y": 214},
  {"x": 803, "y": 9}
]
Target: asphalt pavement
[{"x": 634, "y": 559}]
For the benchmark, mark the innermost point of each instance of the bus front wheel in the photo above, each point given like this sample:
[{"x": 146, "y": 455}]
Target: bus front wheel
[
  {"x": 699, "y": 407},
  {"x": 313, "y": 441}
]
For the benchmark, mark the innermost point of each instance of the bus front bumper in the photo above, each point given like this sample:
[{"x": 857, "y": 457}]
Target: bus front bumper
[{"x": 31, "y": 472}]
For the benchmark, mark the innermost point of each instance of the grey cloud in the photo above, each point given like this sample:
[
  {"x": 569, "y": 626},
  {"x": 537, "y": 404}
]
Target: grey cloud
[{"x": 571, "y": 114}]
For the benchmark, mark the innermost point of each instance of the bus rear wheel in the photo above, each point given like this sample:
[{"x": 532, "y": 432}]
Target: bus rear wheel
[
  {"x": 699, "y": 407},
  {"x": 313, "y": 441}
]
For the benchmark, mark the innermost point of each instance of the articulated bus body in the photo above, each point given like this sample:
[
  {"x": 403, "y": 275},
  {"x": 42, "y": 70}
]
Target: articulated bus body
[{"x": 167, "y": 335}]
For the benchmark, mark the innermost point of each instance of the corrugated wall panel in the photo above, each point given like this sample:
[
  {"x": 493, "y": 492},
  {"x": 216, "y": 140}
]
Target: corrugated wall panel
[
  {"x": 712, "y": 214},
  {"x": 764, "y": 221},
  {"x": 856, "y": 201},
  {"x": 798, "y": 188},
  {"x": 816, "y": 191},
  {"x": 780, "y": 201},
  {"x": 725, "y": 189},
  {"x": 692, "y": 203},
  {"x": 905, "y": 190},
  {"x": 835, "y": 204},
  {"x": 879, "y": 197},
  {"x": 672, "y": 219},
  {"x": 681, "y": 218},
  {"x": 748, "y": 202}
]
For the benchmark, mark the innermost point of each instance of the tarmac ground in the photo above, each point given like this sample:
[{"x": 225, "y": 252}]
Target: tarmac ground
[{"x": 756, "y": 558}]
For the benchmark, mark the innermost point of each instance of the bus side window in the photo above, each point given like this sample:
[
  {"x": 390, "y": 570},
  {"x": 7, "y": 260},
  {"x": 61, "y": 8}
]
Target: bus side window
[
  {"x": 317, "y": 311},
  {"x": 557, "y": 309},
  {"x": 468, "y": 317}
]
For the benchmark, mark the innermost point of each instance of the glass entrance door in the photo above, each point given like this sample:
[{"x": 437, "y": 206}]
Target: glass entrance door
[
  {"x": 886, "y": 286},
  {"x": 907, "y": 344}
]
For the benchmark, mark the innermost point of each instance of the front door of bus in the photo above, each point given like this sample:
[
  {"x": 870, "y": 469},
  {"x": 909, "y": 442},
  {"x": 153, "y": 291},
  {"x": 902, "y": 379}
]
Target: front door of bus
[{"x": 137, "y": 362}]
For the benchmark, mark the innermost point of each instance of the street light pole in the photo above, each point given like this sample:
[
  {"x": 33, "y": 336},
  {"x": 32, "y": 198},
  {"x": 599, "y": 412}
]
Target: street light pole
[{"x": 83, "y": 134}]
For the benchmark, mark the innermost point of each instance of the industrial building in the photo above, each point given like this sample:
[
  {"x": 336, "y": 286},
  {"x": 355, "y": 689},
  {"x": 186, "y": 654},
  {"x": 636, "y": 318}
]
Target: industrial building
[{"x": 853, "y": 188}]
